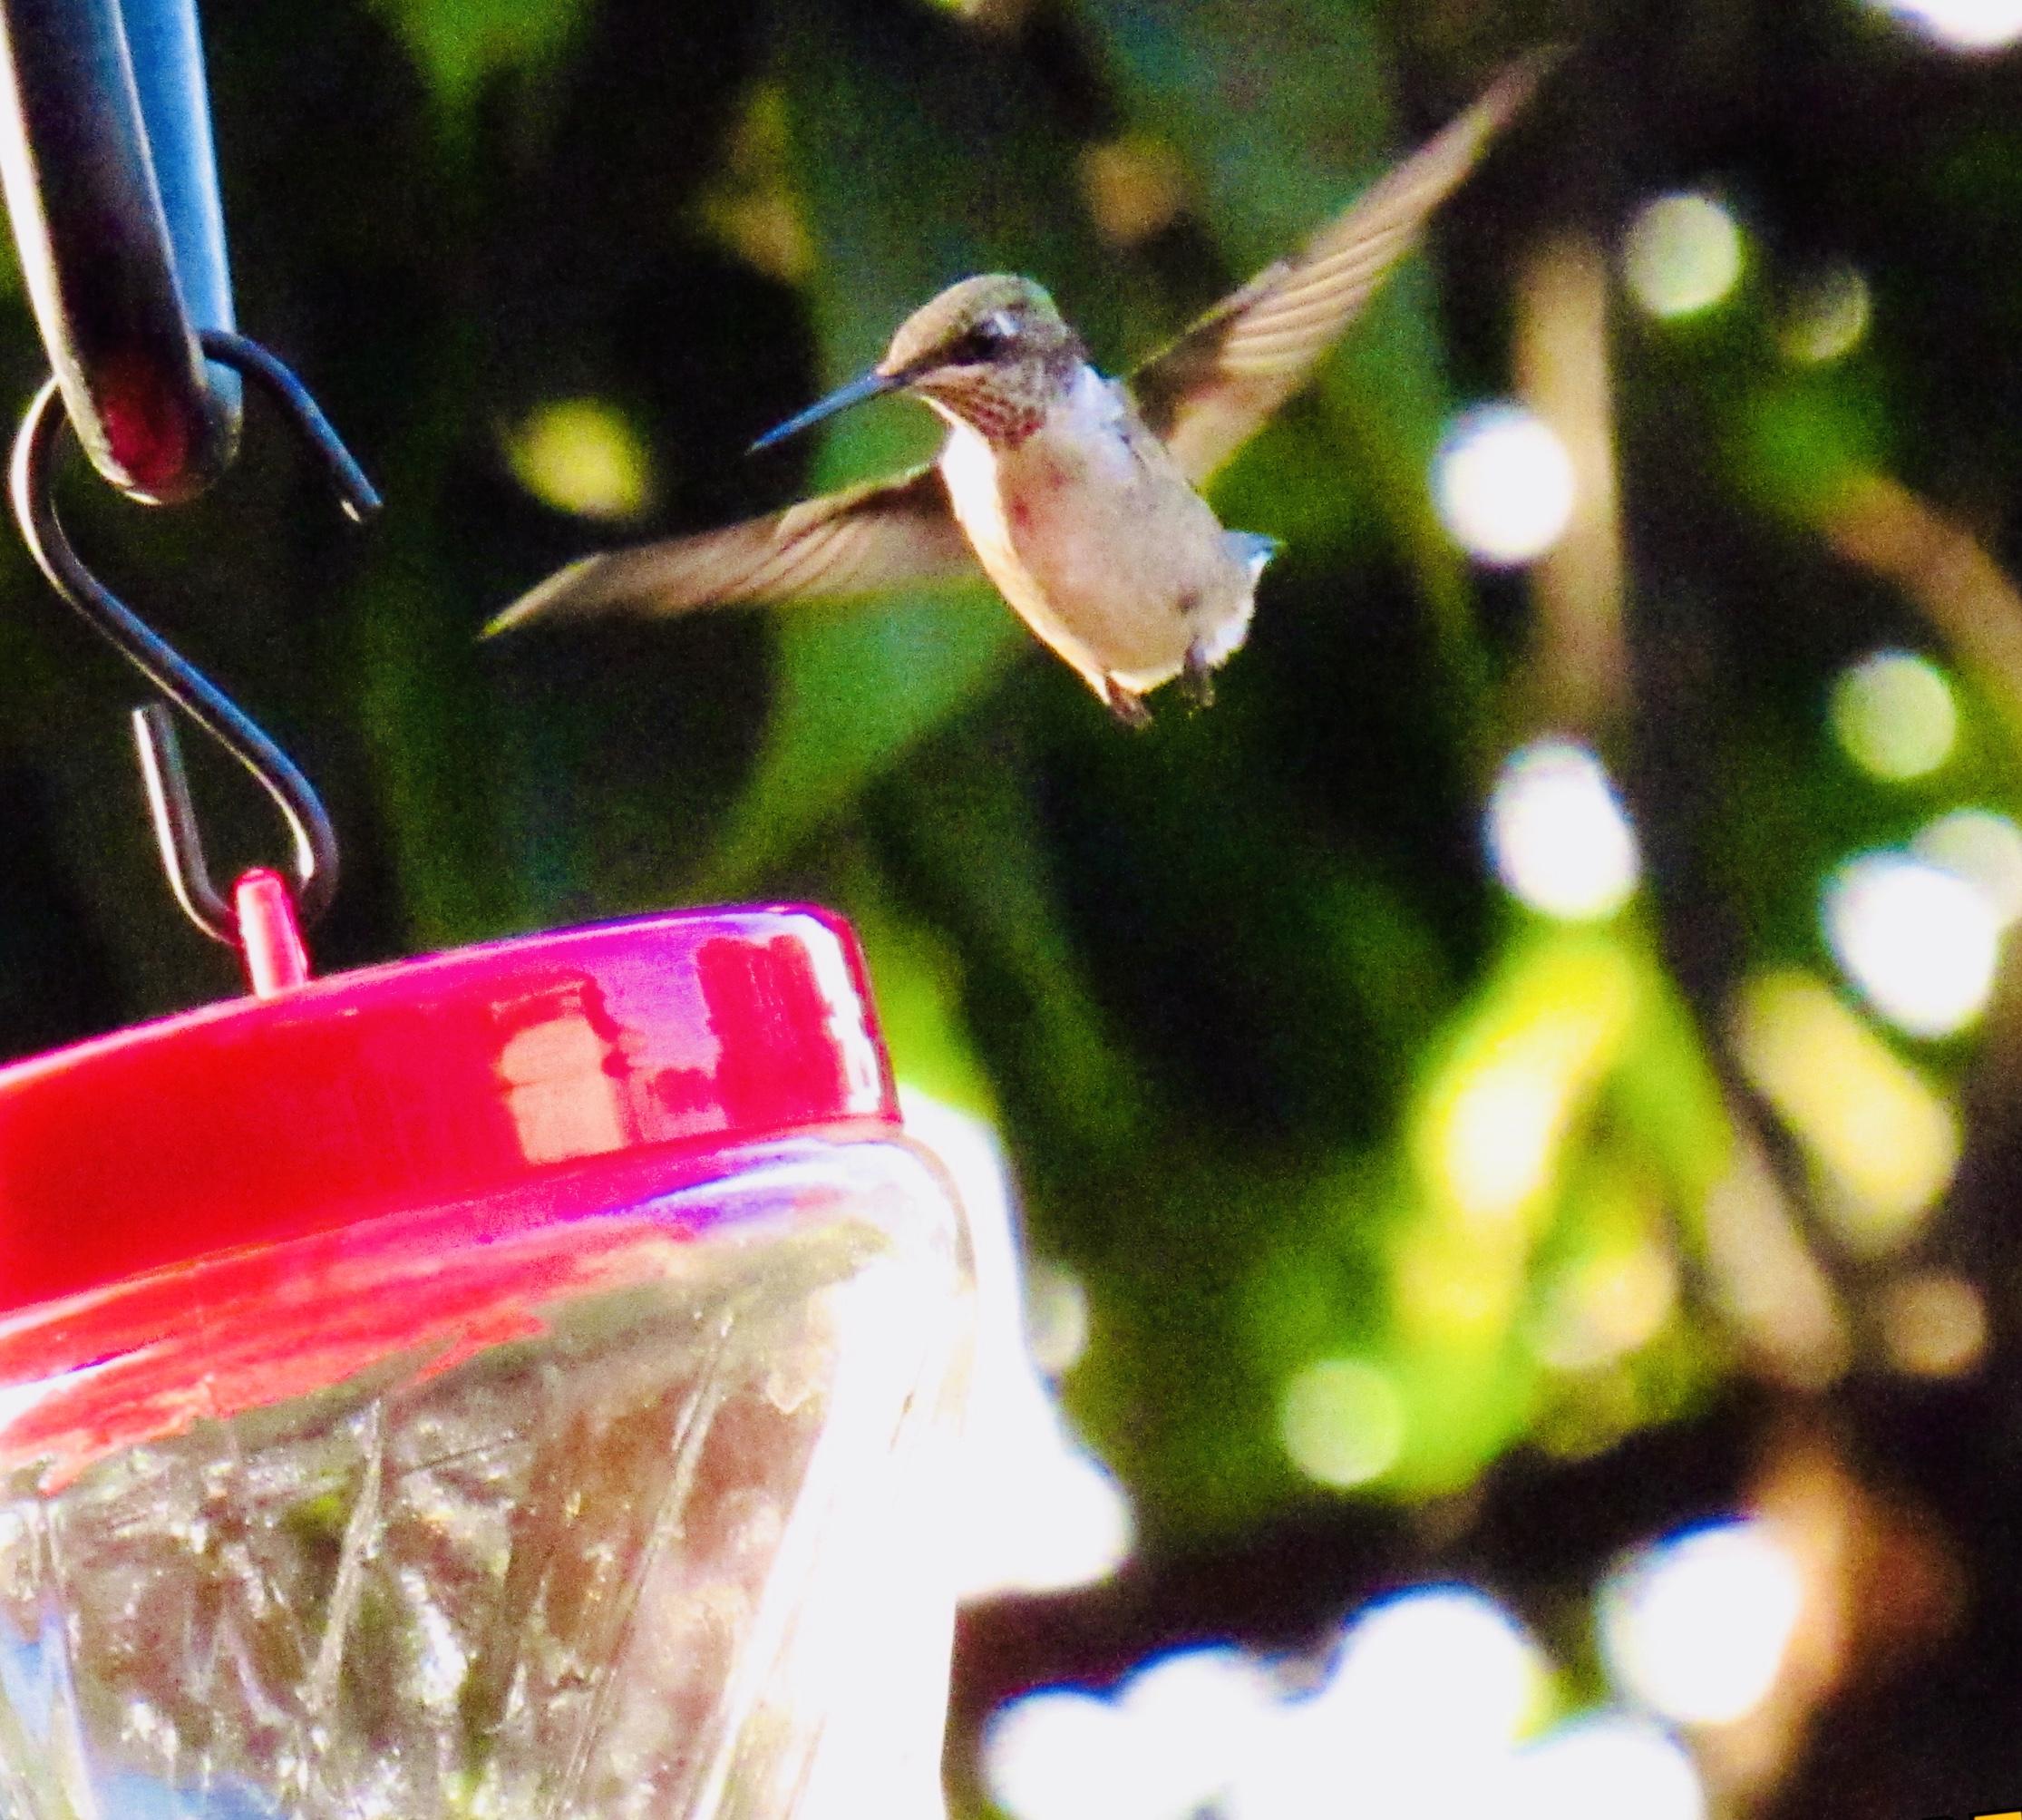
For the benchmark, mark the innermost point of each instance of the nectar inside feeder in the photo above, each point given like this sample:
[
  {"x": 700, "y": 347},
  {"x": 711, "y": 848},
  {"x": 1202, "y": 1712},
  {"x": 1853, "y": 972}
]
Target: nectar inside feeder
[{"x": 513, "y": 1383}]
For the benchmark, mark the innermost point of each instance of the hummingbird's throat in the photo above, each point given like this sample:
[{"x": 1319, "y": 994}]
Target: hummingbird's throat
[{"x": 1002, "y": 409}]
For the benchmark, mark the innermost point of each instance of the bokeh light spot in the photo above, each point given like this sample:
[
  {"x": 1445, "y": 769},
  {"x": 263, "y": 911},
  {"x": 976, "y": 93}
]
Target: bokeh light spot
[
  {"x": 582, "y": 455},
  {"x": 1827, "y": 317},
  {"x": 1418, "y": 1715},
  {"x": 1696, "y": 1627},
  {"x": 1607, "y": 1768},
  {"x": 1681, "y": 255},
  {"x": 1059, "y": 1755},
  {"x": 1134, "y": 186},
  {"x": 1439, "y": 1663},
  {"x": 1342, "y": 1422},
  {"x": 1934, "y": 1324},
  {"x": 1920, "y": 943},
  {"x": 1886, "y": 1140},
  {"x": 1197, "y": 1718},
  {"x": 1426, "y": 1708},
  {"x": 1170, "y": 1744},
  {"x": 1503, "y": 484},
  {"x": 1502, "y": 1133},
  {"x": 1985, "y": 849},
  {"x": 1894, "y": 713},
  {"x": 1559, "y": 835},
  {"x": 1605, "y": 1306},
  {"x": 1495, "y": 1116},
  {"x": 1055, "y": 1317},
  {"x": 1960, "y": 25}
]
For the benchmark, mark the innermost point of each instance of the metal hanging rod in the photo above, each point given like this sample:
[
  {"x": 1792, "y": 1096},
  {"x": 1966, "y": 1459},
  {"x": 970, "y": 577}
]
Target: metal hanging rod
[{"x": 112, "y": 183}]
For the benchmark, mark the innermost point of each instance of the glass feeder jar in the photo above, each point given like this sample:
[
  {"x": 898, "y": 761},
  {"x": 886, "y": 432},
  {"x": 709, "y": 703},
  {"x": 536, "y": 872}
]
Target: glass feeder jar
[{"x": 513, "y": 1385}]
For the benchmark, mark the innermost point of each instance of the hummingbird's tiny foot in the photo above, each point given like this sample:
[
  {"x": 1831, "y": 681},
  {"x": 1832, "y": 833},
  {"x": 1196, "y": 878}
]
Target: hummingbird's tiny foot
[
  {"x": 1198, "y": 677},
  {"x": 1126, "y": 704}
]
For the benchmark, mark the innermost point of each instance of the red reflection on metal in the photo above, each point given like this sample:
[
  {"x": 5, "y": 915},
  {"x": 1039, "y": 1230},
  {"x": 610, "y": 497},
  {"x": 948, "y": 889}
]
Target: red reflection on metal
[
  {"x": 429, "y": 1082},
  {"x": 146, "y": 436},
  {"x": 269, "y": 933}
]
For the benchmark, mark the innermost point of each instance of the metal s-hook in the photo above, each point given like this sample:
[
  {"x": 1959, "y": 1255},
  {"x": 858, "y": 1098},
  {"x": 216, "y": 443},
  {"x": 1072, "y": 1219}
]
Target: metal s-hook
[{"x": 316, "y": 849}]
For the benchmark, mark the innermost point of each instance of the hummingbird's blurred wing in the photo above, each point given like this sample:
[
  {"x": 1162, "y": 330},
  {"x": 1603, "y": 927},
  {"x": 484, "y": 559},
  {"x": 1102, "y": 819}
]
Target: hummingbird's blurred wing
[
  {"x": 1208, "y": 393},
  {"x": 889, "y": 534}
]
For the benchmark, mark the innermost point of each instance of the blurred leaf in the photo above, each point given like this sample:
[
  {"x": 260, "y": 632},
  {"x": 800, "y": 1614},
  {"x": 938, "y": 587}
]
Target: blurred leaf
[
  {"x": 918, "y": 977},
  {"x": 460, "y": 44},
  {"x": 1801, "y": 440},
  {"x": 973, "y": 840},
  {"x": 857, "y": 687}
]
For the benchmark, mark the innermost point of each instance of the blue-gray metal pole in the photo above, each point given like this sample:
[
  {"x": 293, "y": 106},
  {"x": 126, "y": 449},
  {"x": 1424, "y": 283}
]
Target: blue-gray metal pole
[{"x": 112, "y": 186}]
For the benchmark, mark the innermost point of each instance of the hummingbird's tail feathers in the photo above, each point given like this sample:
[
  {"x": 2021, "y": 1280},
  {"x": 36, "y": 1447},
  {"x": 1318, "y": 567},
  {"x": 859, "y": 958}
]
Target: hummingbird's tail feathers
[
  {"x": 885, "y": 534},
  {"x": 1208, "y": 392},
  {"x": 1253, "y": 549}
]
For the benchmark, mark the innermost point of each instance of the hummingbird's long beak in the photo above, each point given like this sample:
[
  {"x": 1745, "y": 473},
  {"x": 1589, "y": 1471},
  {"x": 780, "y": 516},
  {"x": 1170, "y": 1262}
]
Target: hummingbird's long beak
[{"x": 870, "y": 384}]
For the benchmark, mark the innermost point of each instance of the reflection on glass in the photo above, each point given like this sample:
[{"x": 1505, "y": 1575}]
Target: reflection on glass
[
  {"x": 562, "y": 1102},
  {"x": 1036, "y": 1510}
]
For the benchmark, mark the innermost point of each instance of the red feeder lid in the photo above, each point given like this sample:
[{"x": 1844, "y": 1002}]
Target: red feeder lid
[{"x": 427, "y": 1082}]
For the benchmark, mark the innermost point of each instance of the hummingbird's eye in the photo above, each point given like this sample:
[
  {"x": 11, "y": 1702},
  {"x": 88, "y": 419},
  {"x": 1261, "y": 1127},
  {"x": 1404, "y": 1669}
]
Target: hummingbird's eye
[{"x": 988, "y": 337}]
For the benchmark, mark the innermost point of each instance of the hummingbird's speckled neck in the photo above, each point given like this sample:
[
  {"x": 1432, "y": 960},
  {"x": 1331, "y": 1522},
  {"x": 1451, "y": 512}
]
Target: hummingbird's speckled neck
[{"x": 1005, "y": 401}]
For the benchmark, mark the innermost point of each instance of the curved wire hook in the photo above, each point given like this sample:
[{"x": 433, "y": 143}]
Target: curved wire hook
[{"x": 315, "y": 843}]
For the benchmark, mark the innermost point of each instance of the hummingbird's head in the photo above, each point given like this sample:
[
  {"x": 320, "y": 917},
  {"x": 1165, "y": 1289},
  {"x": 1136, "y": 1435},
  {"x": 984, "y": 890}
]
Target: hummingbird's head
[{"x": 991, "y": 351}]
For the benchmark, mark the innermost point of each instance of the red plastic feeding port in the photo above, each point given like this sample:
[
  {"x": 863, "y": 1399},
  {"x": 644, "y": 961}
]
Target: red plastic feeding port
[{"x": 426, "y": 1083}]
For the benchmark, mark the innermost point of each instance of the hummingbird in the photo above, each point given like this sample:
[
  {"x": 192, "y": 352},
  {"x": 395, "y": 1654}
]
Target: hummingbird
[{"x": 1077, "y": 495}]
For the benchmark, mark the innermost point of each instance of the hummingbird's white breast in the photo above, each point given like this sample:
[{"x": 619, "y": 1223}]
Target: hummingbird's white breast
[{"x": 1092, "y": 533}]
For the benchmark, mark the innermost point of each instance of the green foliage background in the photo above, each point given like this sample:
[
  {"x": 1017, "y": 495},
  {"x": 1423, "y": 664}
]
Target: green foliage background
[{"x": 1219, "y": 982}]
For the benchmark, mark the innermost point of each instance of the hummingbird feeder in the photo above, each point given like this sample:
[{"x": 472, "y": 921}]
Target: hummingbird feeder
[{"x": 514, "y": 1382}]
